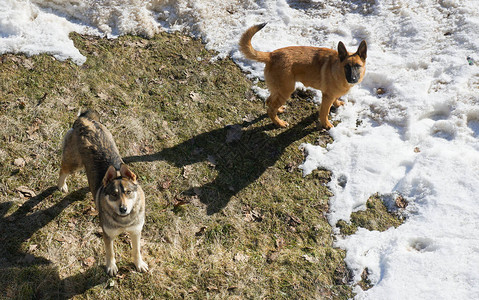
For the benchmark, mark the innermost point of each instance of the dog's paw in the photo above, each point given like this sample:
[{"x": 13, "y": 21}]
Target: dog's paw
[
  {"x": 111, "y": 269},
  {"x": 141, "y": 266},
  {"x": 63, "y": 188},
  {"x": 327, "y": 125},
  {"x": 282, "y": 124}
]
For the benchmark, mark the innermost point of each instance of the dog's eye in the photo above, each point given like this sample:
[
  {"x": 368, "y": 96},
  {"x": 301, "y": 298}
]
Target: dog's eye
[{"x": 128, "y": 192}]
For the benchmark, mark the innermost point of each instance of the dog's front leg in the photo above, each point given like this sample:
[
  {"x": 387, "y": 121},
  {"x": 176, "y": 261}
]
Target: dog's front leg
[
  {"x": 111, "y": 267},
  {"x": 140, "y": 264},
  {"x": 326, "y": 103}
]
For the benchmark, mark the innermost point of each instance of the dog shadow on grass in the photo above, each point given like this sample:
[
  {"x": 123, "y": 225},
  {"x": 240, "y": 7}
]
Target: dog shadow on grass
[
  {"x": 25, "y": 276},
  {"x": 239, "y": 154}
]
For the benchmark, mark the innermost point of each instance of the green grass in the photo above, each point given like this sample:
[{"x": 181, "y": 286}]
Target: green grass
[
  {"x": 229, "y": 215},
  {"x": 375, "y": 217}
]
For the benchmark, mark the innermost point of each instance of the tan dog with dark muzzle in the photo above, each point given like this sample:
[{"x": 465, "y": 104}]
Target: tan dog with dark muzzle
[
  {"x": 332, "y": 72},
  {"x": 119, "y": 198}
]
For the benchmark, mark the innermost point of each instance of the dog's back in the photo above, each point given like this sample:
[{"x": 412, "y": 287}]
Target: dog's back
[{"x": 89, "y": 144}]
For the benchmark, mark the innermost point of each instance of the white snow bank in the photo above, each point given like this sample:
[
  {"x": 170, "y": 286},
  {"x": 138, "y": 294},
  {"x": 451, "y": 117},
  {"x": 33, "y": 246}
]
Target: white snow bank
[{"x": 43, "y": 26}]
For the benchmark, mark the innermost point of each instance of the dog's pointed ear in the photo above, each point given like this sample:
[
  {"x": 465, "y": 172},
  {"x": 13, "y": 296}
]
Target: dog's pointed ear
[
  {"x": 126, "y": 173},
  {"x": 362, "y": 50},
  {"x": 342, "y": 52},
  {"x": 109, "y": 175}
]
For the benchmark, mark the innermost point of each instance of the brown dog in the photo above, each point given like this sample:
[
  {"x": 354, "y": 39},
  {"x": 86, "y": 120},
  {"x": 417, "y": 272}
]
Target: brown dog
[
  {"x": 119, "y": 198},
  {"x": 332, "y": 72}
]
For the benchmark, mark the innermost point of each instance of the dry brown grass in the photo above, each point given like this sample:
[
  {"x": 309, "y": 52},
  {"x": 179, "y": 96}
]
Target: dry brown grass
[{"x": 229, "y": 215}]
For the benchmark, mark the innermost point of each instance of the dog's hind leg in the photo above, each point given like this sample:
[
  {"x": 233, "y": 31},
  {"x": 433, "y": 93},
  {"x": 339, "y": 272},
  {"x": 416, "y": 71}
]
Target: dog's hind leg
[
  {"x": 70, "y": 160},
  {"x": 62, "y": 185},
  {"x": 275, "y": 105}
]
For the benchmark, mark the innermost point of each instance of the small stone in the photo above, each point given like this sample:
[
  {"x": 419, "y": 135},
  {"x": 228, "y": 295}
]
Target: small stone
[
  {"x": 19, "y": 162},
  {"x": 380, "y": 91}
]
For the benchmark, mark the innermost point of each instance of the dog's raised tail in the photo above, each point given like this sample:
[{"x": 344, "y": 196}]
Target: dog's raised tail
[{"x": 247, "y": 49}]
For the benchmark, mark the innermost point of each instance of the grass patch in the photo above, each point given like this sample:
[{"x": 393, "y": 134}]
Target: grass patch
[
  {"x": 375, "y": 217},
  {"x": 228, "y": 212}
]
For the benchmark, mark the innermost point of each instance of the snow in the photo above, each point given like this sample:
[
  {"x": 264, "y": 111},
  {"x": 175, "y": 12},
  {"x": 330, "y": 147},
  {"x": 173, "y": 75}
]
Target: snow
[{"x": 420, "y": 139}]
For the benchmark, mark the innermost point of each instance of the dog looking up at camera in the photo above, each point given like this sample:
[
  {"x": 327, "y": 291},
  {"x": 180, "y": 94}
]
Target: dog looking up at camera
[
  {"x": 332, "y": 72},
  {"x": 119, "y": 198}
]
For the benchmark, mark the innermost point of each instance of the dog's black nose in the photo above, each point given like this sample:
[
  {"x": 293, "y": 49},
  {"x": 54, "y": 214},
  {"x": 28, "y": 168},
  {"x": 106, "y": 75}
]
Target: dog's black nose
[
  {"x": 123, "y": 209},
  {"x": 353, "y": 79}
]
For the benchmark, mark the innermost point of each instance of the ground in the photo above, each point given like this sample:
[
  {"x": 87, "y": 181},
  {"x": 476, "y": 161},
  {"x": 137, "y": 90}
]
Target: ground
[{"x": 229, "y": 214}]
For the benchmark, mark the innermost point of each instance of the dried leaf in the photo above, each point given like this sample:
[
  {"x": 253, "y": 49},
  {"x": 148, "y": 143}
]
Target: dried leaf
[
  {"x": 25, "y": 192},
  {"x": 187, "y": 170},
  {"x": 252, "y": 214},
  {"x": 249, "y": 118},
  {"x": 165, "y": 184},
  {"x": 168, "y": 131},
  {"x": 257, "y": 215},
  {"x": 61, "y": 240},
  {"x": 34, "y": 127},
  {"x": 196, "y": 97},
  {"x": 102, "y": 96},
  {"x": 293, "y": 220},
  {"x": 91, "y": 211},
  {"x": 180, "y": 201},
  {"x": 290, "y": 167},
  {"x": 201, "y": 231},
  {"x": 310, "y": 259},
  {"x": 89, "y": 261},
  {"x": 28, "y": 63},
  {"x": 241, "y": 257},
  {"x": 212, "y": 288},
  {"x": 401, "y": 202}
]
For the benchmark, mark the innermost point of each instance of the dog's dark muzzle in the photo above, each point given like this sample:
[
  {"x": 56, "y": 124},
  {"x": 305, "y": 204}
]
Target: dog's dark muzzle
[{"x": 353, "y": 73}]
